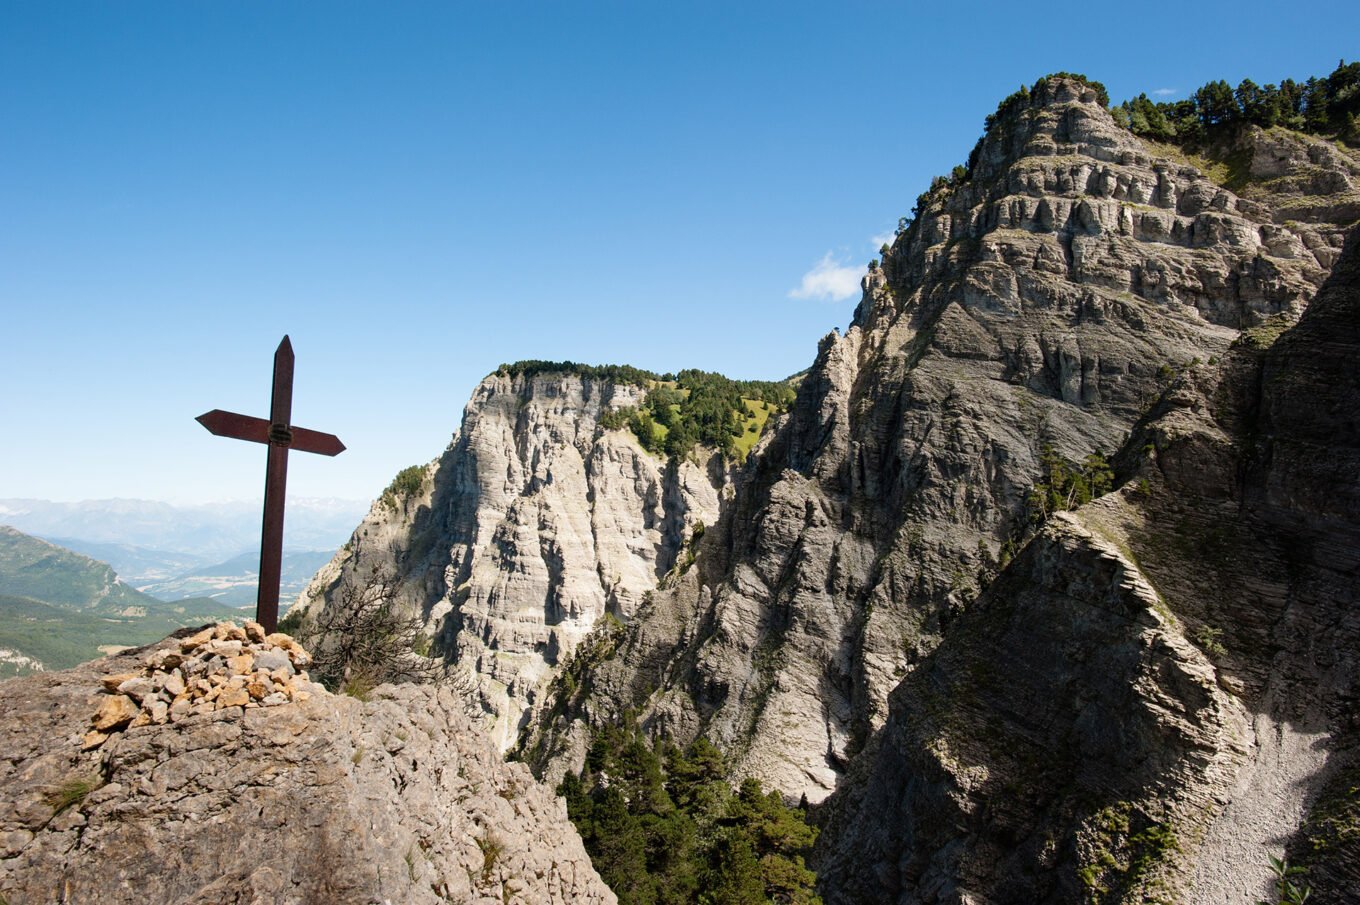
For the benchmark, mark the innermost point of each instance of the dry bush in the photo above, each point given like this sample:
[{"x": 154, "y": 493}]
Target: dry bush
[{"x": 360, "y": 639}]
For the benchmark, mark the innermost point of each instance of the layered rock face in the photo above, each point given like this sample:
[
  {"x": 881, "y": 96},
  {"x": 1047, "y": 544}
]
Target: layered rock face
[
  {"x": 533, "y": 525},
  {"x": 1046, "y": 300},
  {"x": 331, "y": 799},
  {"x": 1162, "y": 689}
]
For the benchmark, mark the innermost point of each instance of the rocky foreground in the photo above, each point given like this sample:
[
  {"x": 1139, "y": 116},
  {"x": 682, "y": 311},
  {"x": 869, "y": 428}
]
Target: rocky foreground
[{"x": 247, "y": 798}]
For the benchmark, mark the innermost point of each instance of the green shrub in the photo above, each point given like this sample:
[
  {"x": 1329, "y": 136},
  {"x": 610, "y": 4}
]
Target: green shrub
[
  {"x": 617, "y": 419},
  {"x": 1067, "y": 485},
  {"x": 409, "y": 482},
  {"x": 359, "y": 685},
  {"x": 492, "y": 849},
  {"x": 1209, "y": 640},
  {"x": 360, "y": 639},
  {"x": 292, "y": 622},
  {"x": 1289, "y": 889}
]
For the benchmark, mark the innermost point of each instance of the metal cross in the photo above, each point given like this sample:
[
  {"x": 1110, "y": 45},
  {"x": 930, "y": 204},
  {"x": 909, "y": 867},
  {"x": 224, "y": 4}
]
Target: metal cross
[{"x": 280, "y": 436}]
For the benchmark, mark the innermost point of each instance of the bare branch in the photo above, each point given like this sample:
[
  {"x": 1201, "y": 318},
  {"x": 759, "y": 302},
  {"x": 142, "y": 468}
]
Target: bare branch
[{"x": 360, "y": 639}]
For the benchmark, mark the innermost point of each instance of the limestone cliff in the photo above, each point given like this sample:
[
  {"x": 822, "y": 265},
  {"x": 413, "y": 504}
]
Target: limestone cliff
[
  {"x": 1045, "y": 298},
  {"x": 535, "y": 525},
  {"x": 326, "y": 800},
  {"x": 1162, "y": 688}
]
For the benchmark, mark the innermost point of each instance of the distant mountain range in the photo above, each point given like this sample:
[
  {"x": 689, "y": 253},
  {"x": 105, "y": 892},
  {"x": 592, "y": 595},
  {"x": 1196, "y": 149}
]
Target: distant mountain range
[
  {"x": 79, "y": 578},
  {"x": 156, "y": 540},
  {"x": 137, "y": 566}
]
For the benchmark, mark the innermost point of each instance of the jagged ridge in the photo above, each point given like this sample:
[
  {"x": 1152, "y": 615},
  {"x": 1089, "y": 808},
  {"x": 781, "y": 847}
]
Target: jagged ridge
[{"x": 1043, "y": 301}]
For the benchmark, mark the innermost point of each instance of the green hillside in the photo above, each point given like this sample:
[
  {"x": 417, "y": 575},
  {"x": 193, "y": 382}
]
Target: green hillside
[
  {"x": 41, "y": 571},
  {"x": 59, "y": 608},
  {"x": 682, "y": 410},
  {"x": 58, "y": 638}
]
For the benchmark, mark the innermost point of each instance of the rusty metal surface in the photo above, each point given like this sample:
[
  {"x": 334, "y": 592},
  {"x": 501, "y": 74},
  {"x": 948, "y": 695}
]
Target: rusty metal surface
[
  {"x": 275, "y": 489},
  {"x": 280, "y": 436},
  {"x": 256, "y": 430}
]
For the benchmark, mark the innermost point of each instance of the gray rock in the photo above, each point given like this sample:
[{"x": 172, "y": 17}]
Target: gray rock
[
  {"x": 1045, "y": 301},
  {"x": 137, "y": 688},
  {"x": 173, "y": 684},
  {"x": 288, "y": 804},
  {"x": 270, "y": 660},
  {"x": 225, "y": 648},
  {"x": 1175, "y": 661},
  {"x": 179, "y": 709},
  {"x": 845, "y": 605},
  {"x": 159, "y": 711},
  {"x": 1035, "y": 304}
]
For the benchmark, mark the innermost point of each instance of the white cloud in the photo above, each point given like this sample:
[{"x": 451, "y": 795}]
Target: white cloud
[
  {"x": 883, "y": 239},
  {"x": 1165, "y": 92},
  {"x": 829, "y": 280}
]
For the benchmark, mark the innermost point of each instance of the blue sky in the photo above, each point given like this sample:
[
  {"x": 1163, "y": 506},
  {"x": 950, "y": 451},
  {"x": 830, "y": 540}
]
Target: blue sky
[{"x": 417, "y": 192}]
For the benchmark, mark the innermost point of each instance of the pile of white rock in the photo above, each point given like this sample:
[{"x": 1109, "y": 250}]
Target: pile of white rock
[{"x": 220, "y": 667}]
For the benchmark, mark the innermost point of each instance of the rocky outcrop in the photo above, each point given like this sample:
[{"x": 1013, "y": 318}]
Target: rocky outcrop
[
  {"x": 330, "y": 799},
  {"x": 1047, "y": 299},
  {"x": 1302, "y": 179},
  {"x": 1161, "y": 690},
  {"x": 534, "y": 525}
]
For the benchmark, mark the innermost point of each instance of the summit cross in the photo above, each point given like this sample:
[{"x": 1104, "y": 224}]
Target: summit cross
[{"x": 280, "y": 436}]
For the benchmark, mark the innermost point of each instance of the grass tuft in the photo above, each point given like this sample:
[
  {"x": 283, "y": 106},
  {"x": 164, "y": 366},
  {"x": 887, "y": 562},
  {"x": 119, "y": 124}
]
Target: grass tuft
[
  {"x": 492, "y": 848},
  {"x": 72, "y": 792}
]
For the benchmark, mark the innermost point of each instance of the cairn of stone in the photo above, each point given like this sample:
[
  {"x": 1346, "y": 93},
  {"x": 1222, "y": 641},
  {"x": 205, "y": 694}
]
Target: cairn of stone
[{"x": 221, "y": 667}]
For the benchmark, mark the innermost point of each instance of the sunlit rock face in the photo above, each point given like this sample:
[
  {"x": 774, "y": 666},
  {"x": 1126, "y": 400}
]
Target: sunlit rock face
[
  {"x": 1159, "y": 693},
  {"x": 1113, "y": 704},
  {"x": 534, "y": 524}
]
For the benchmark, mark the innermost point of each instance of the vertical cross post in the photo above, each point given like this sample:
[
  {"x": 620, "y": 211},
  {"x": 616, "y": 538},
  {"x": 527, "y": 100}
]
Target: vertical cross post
[
  {"x": 279, "y": 434},
  {"x": 275, "y": 488}
]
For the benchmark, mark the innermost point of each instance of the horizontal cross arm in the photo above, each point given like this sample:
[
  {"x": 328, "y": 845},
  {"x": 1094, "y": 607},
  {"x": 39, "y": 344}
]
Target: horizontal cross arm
[
  {"x": 256, "y": 430},
  {"x": 316, "y": 442},
  {"x": 238, "y": 427}
]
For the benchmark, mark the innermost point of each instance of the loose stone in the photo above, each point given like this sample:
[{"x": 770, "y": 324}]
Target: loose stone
[{"x": 217, "y": 668}]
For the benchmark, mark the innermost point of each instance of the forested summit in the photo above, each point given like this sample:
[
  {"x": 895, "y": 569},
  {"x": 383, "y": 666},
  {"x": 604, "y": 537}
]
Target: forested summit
[{"x": 683, "y": 409}]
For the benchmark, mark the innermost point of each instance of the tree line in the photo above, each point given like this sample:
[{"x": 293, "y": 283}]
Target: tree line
[
  {"x": 663, "y": 826},
  {"x": 1327, "y": 106}
]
